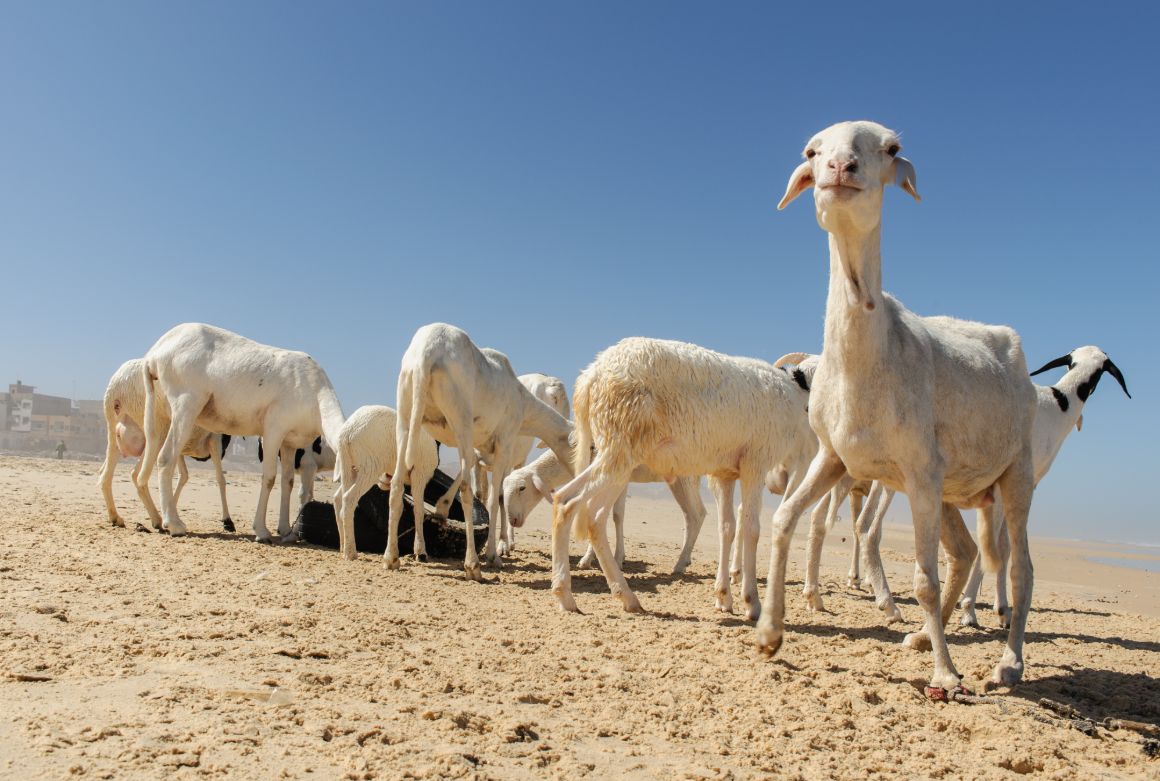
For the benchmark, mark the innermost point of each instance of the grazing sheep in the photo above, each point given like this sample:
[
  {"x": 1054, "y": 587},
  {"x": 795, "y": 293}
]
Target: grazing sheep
[
  {"x": 469, "y": 398},
  {"x": 124, "y": 413},
  {"x": 225, "y": 382},
  {"x": 937, "y": 407},
  {"x": 527, "y": 486},
  {"x": 552, "y": 392},
  {"x": 678, "y": 409},
  {"x": 367, "y": 450}
]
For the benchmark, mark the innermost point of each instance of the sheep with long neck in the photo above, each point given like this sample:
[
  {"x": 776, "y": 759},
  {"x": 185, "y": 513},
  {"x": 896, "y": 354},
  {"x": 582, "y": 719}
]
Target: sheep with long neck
[{"x": 936, "y": 407}]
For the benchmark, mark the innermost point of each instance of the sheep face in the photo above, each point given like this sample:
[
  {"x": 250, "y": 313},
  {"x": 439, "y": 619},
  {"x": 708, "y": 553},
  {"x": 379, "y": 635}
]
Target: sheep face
[
  {"x": 521, "y": 494},
  {"x": 848, "y": 165}
]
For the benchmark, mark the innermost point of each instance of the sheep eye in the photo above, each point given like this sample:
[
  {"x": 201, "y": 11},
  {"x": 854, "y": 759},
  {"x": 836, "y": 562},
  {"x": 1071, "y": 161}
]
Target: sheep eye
[
  {"x": 810, "y": 154},
  {"x": 523, "y": 488},
  {"x": 893, "y": 150}
]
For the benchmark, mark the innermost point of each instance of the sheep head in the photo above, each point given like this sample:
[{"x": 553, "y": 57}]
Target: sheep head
[
  {"x": 1089, "y": 363},
  {"x": 848, "y": 165}
]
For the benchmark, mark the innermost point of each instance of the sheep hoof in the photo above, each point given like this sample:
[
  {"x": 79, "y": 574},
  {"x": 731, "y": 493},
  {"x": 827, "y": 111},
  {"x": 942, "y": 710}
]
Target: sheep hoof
[
  {"x": 814, "y": 601},
  {"x": 968, "y": 618},
  {"x": 768, "y": 639},
  {"x": 735, "y": 577},
  {"x": 632, "y": 604},
  {"x": 503, "y": 549},
  {"x": 228, "y": 525},
  {"x": 117, "y": 521},
  {"x": 1007, "y": 673},
  {"x": 1004, "y": 614},
  {"x": 142, "y": 528},
  {"x": 919, "y": 641},
  {"x": 421, "y": 556},
  {"x": 854, "y": 583},
  {"x": 289, "y": 538},
  {"x": 681, "y": 567},
  {"x": 893, "y": 615},
  {"x": 391, "y": 562},
  {"x": 266, "y": 540},
  {"x": 473, "y": 571}
]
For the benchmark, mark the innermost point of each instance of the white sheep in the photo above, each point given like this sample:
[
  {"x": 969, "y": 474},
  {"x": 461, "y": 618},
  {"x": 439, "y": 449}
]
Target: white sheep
[
  {"x": 1059, "y": 412},
  {"x": 469, "y": 398},
  {"x": 678, "y": 409},
  {"x": 527, "y": 486},
  {"x": 228, "y": 383},
  {"x": 367, "y": 450},
  {"x": 938, "y": 407},
  {"x": 552, "y": 392},
  {"x": 124, "y": 407}
]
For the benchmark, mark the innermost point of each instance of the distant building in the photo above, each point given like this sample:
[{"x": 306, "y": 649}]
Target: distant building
[{"x": 37, "y": 421}]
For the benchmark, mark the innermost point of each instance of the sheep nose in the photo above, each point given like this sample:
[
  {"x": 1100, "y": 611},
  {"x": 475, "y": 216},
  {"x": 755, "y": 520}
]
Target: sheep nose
[{"x": 843, "y": 165}]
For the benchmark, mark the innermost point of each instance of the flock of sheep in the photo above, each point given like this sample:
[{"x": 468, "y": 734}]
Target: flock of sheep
[{"x": 941, "y": 409}]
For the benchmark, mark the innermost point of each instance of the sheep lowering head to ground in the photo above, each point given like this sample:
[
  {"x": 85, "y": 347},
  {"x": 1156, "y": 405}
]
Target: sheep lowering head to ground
[
  {"x": 678, "y": 409},
  {"x": 937, "y": 407},
  {"x": 470, "y": 398},
  {"x": 124, "y": 407}
]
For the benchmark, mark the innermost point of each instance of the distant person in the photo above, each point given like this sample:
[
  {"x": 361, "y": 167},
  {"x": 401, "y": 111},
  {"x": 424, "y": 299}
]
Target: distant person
[{"x": 60, "y": 448}]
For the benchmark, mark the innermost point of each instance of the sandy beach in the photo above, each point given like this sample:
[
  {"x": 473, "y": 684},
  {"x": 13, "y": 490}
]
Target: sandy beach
[{"x": 130, "y": 655}]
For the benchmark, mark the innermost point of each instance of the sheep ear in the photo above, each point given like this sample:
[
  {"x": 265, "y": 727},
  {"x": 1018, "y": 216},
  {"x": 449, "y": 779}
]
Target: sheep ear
[
  {"x": 540, "y": 486},
  {"x": 800, "y": 180},
  {"x": 905, "y": 177},
  {"x": 1079, "y": 423}
]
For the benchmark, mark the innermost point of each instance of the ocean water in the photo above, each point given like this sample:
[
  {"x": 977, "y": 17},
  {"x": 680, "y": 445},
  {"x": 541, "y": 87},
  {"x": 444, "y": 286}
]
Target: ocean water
[{"x": 1147, "y": 565}]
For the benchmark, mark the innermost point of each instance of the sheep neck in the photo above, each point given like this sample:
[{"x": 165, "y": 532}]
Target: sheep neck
[{"x": 855, "y": 314}]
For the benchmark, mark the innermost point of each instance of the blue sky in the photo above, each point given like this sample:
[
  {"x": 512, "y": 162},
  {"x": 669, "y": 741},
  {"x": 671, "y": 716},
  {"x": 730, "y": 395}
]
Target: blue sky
[{"x": 553, "y": 177}]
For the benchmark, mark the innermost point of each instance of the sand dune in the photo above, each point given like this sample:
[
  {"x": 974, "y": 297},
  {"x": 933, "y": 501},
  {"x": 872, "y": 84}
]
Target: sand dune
[{"x": 213, "y": 656}]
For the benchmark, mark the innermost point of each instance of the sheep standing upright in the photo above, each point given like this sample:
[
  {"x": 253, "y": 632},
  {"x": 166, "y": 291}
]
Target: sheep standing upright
[
  {"x": 1059, "y": 412},
  {"x": 937, "y": 407},
  {"x": 678, "y": 409},
  {"x": 124, "y": 407},
  {"x": 225, "y": 382},
  {"x": 469, "y": 398}
]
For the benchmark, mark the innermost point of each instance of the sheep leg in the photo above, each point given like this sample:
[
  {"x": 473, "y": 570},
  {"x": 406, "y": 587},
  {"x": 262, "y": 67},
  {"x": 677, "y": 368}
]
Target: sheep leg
[
  {"x": 594, "y": 514},
  {"x": 285, "y": 533},
  {"x": 726, "y": 532},
  {"x": 810, "y": 588},
  {"x": 216, "y": 456},
  {"x": 155, "y": 437},
  {"x": 463, "y": 433},
  {"x": 1003, "y": 545},
  {"x": 273, "y": 444},
  {"x": 306, "y": 487},
  {"x": 961, "y": 551},
  {"x": 589, "y": 560},
  {"x": 418, "y": 489},
  {"x": 495, "y": 508},
  {"x": 870, "y": 530},
  {"x": 182, "y": 478},
  {"x": 185, "y": 409},
  {"x": 562, "y": 517},
  {"x": 395, "y": 507},
  {"x": 735, "y": 567},
  {"x": 825, "y": 470},
  {"x": 105, "y": 480},
  {"x": 686, "y": 490},
  {"x": 751, "y": 485},
  {"x": 853, "y": 577},
  {"x": 926, "y": 508},
  {"x": 971, "y": 594},
  {"x": 1016, "y": 486}
]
